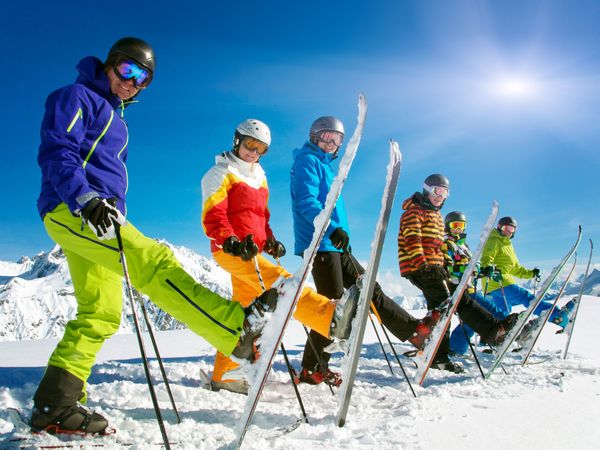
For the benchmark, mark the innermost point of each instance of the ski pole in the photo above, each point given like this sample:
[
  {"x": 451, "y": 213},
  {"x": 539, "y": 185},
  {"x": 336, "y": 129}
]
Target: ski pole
[
  {"x": 160, "y": 360},
  {"x": 465, "y": 333},
  {"x": 504, "y": 297},
  {"x": 393, "y": 349},
  {"x": 285, "y": 355},
  {"x": 313, "y": 347},
  {"x": 380, "y": 343},
  {"x": 159, "y": 418},
  {"x": 372, "y": 306}
]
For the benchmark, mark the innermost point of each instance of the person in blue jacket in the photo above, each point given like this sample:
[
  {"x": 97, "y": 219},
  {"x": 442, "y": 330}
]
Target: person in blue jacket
[
  {"x": 335, "y": 268},
  {"x": 82, "y": 155}
]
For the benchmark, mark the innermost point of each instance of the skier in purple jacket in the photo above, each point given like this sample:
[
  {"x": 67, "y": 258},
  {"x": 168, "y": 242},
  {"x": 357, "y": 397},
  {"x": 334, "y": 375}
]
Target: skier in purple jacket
[{"x": 84, "y": 143}]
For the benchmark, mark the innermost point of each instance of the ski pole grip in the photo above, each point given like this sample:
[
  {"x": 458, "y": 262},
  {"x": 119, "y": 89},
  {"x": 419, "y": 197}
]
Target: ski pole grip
[{"x": 118, "y": 234}]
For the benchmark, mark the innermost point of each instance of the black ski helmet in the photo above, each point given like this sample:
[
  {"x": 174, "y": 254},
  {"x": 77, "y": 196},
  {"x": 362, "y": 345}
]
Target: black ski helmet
[
  {"x": 134, "y": 48},
  {"x": 325, "y": 123},
  {"x": 437, "y": 179},
  {"x": 454, "y": 216},
  {"x": 507, "y": 221}
]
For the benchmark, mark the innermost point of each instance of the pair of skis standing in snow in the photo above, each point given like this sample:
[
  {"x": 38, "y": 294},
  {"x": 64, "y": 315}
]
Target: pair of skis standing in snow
[{"x": 84, "y": 181}]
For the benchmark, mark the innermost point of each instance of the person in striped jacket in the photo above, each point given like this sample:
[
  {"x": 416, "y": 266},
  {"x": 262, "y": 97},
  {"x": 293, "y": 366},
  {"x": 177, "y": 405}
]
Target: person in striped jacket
[{"x": 421, "y": 259}]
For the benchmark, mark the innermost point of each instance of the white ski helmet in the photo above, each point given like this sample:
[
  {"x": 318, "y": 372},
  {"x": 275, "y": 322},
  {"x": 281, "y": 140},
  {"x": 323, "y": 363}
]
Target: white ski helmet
[
  {"x": 325, "y": 123},
  {"x": 253, "y": 128}
]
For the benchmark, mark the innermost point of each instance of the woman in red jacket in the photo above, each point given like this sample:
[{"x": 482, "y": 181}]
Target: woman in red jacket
[{"x": 235, "y": 216}]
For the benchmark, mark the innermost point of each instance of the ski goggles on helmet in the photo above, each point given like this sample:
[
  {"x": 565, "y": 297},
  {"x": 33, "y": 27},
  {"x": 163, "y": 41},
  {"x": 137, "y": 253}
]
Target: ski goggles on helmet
[
  {"x": 331, "y": 137},
  {"x": 254, "y": 145},
  {"x": 508, "y": 229},
  {"x": 456, "y": 225},
  {"x": 127, "y": 69},
  {"x": 437, "y": 191}
]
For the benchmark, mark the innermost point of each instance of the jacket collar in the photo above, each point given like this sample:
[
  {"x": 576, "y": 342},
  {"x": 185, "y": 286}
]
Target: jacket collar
[
  {"x": 314, "y": 150},
  {"x": 243, "y": 167},
  {"x": 92, "y": 76}
]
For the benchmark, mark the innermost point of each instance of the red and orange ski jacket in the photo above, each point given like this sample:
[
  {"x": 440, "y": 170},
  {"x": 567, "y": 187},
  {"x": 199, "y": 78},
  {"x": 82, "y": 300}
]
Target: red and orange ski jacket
[{"x": 235, "y": 196}]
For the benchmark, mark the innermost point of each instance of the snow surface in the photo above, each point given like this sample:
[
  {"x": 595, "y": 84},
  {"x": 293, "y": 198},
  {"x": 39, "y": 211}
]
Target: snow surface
[{"x": 551, "y": 403}]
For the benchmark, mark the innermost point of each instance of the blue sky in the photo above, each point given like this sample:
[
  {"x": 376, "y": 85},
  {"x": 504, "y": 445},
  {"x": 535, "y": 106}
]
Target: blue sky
[{"x": 502, "y": 97}]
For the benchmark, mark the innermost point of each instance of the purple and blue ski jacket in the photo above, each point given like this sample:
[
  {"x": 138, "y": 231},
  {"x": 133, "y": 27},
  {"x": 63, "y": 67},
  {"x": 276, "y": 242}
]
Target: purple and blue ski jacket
[{"x": 84, "y": 140}]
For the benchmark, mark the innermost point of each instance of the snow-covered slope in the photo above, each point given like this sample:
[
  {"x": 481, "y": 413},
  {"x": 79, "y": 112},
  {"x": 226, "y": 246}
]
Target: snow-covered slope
[
  {"x": 549, "y": 404},
  {"x": 36, "y": 294}
]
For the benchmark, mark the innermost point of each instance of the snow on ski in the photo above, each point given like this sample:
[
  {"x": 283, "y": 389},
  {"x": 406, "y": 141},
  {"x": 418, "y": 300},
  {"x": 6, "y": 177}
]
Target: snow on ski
[
  {"x": 524, "y": 316},
  {"x": 350, "y": 362},
  {"x": 569, "y": 328},
  {"x": 424, "y": 358},
  {"x": 538, "y": 326},
  {"x": 289, "y": 289}
]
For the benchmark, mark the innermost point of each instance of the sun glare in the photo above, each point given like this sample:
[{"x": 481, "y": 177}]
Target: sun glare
[{"x": 514, "y": 88}]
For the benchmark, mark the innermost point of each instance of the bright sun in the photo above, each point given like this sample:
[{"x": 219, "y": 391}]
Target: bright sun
[{"x": 514, "y": 88}]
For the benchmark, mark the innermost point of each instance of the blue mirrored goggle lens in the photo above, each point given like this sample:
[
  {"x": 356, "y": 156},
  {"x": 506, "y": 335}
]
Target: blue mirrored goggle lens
[{"x": 127, "y": 70}]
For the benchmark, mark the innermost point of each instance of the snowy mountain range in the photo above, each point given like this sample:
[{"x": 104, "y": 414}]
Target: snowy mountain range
[
  {"x": 36, "y": 294},
  {"x": 37, "y": 299}
]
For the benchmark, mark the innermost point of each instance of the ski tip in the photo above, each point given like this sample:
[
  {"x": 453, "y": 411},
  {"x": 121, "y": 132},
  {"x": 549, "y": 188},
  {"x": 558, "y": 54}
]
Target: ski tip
[{"x": 495, "y": 204}]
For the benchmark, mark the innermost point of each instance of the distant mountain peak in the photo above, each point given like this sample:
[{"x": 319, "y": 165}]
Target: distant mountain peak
[{"x": 36, "y": 294}]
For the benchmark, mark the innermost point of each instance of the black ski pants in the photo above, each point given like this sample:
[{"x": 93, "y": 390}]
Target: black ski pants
[
  {"x": 469, "y": 310},
  {"x": 332, "y": 273}
]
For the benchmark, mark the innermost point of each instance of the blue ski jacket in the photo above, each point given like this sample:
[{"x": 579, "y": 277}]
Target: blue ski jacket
[
  {"x": 83, "y": 143},
  {"x": 311, "y": 179}
]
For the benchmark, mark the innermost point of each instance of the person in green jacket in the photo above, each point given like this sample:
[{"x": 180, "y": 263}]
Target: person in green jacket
[{"x": 499, "y": 255}]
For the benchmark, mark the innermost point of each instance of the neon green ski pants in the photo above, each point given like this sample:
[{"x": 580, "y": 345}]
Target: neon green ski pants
[{"x": 97, "y": 273}]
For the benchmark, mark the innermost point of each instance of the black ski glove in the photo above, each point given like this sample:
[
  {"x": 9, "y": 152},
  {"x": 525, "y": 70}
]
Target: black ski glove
[
  {"x": 101, "y": 215},
  {"x": 491, "y": 272},
  {"x": 248, "y": 249},
  {"x": 434, "y": 272},
  {"x": 231, "y": 246},
  {"x": 274, "y": 247},
  {"x": 536, "y": 272},
  {"x": 340, "y": 239}
]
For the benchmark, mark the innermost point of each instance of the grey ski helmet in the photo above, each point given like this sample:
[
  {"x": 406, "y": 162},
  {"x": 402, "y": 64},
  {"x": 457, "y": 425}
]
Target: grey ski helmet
[
  {"x": 252, "y": 128},
  {"x": 454, "y": 216},
  {"x": 134, "y": 48},
  {"x": 325, "y": 123}
]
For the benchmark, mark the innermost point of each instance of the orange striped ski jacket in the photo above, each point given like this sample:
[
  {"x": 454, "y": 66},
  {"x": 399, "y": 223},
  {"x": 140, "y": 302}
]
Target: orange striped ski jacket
[{"x": 420, "y": 236}]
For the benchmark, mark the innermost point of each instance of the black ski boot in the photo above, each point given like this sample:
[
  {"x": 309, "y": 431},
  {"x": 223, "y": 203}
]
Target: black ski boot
[
  {"x": 502, "y": 329},
  {"x": 444, "y": 363},
  {"x": 253, "y": 325},
  {"x": 74, "y": 419},
  {"x": 57, "y": 408}
]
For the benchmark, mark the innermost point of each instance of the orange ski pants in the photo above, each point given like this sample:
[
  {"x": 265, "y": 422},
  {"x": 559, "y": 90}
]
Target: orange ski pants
[{"x": 313, "y": 310}]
